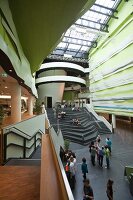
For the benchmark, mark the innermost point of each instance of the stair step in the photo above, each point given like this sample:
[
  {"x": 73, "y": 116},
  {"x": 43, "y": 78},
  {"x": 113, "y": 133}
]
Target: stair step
[
  {"x": 24, "y": 162},
  {"x": 90, "y": 127}
]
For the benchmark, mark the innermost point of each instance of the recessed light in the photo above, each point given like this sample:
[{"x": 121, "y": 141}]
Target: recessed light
[
  {"x": 6, "y": 87},
  {"x": 10, "y": 70}
]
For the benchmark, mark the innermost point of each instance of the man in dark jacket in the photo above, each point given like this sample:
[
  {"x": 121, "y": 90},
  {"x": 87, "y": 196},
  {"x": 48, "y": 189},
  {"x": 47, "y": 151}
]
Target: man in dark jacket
[{"x": 88, "y": 192}]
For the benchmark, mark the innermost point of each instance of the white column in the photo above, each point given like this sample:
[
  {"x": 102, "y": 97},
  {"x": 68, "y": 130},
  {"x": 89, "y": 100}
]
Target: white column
[
  {"x": 16, "y": 103},
  {"x": 113, "y": 121},
  {"x": 30, "y": 105}
]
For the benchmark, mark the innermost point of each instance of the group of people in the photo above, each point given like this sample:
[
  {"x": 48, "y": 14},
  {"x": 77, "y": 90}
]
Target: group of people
[
  {"x": 61, "y": 115},
  {"x": 87, "y": 189},
  {"x": 76, "y": 121},
  {"x": 70, "y": 168},
  {"x": 96, "y": 150},
  {"x": 75, "y": 109}
]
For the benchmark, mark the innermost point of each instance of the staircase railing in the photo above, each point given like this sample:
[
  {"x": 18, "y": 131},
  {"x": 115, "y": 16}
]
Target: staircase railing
[
  {"x": 28, "y": 142},
  {"x": 21, "y": 139},
  {"x": 101, "y": 118}
]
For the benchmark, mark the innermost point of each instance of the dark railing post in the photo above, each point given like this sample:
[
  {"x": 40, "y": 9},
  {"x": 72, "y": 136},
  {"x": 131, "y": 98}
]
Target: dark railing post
[
  {"x": 35, "y": 142},
  {"x": 24, "y": 148},
  {"x": 5, "y": 146}
]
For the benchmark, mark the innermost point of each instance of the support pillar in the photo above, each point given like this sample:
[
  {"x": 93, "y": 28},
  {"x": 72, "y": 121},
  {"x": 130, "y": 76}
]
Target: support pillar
[
  {"x": 16, "y": 103},
  {"x": 113, "y": 122},
  {"x": 30, "y": 105}
]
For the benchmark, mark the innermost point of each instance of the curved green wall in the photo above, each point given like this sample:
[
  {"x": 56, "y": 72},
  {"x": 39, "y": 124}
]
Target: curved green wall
[{"x": 30, "y": 29}]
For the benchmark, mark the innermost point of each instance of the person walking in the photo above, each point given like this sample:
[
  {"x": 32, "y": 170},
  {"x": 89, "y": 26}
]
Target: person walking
[
  {"x": 88, "y": 191},
  {"x": 109, "y": 190},
  {"x": 84, "y": 168},
  {"x": 101, "y": 155}
]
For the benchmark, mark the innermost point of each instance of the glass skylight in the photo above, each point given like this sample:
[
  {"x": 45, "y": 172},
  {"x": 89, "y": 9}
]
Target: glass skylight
[
  {"x": 74, "y": 46},
  {"x": 82, "y": 35}
]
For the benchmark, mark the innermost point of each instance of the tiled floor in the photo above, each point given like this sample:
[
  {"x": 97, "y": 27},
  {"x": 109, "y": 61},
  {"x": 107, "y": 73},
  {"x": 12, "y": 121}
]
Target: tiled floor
[{"x": 122, "y": 155}]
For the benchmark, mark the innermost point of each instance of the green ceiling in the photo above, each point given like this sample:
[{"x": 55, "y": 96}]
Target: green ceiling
[{"x": 41, "y": 23}]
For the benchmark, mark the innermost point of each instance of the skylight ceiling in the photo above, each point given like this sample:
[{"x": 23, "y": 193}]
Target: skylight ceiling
[{"x": 83, "y": 34}]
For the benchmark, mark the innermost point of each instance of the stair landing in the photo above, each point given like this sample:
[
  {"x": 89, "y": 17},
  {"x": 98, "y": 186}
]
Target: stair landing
[{"x": 20, "y": 183}]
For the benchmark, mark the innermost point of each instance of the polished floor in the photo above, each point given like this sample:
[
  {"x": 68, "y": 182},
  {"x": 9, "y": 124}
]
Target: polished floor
[
  {"x": 122, "y": 155},
  {"x": 8, "y": 120}
]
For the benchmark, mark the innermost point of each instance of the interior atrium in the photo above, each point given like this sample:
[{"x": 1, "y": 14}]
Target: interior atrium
[{"x": 66, "y": 79}]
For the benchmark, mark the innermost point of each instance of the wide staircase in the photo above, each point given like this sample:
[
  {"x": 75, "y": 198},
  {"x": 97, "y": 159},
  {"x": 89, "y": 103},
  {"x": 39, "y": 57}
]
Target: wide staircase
[{"x": 87, "y": 131}]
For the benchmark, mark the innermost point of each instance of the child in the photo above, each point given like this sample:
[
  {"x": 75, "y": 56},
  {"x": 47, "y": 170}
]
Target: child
[
  {"x": 88, "y": 192},
  {"x": 84, "y": 168}
]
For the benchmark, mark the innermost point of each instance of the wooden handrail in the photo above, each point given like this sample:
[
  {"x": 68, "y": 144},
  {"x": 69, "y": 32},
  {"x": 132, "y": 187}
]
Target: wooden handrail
[
  {"x": 1, "y": 147},
  {"x": 60, "y": 178},
  {"x": 51, "y": 185}
]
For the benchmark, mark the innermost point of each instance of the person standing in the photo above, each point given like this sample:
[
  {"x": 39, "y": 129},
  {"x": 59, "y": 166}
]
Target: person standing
[
  {"x": 43, "y": 107},
  {"x": 84, "y": 168},
  {"x": 93, "y": 154},
  {"x": 72, "y": 172},
  {"x": 109, "y": 190},
  {"x": 107, "y": 154},
  {"x": 88, "y": 191},
  {"x": 109, "y": 144},
  {"x": 101, "y": 155},
  {"x": 98, "y": 139},
  {"x": 91, "y": 144}
]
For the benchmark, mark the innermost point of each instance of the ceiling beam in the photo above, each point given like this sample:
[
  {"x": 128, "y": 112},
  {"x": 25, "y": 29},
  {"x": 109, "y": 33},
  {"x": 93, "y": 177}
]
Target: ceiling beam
[
  {"x": 59, "y": 57},
  {"x": 104, "y": 27},
  {"x": 101, "y": 6},
  {"x": 71, "y": 50},
  {"x": 81, "y": 44},
  {"x": 103, "y": 13},
  {"x": 80, "y": 39},
  {"x": 94, "y": 21},
  {"x": 101, "y": 30}
]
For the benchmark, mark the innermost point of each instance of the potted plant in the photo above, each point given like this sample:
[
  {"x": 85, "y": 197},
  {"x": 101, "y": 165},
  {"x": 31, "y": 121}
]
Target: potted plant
[
  {"x": 37, "y": 108},
  {"x": 66, "y": 144}
]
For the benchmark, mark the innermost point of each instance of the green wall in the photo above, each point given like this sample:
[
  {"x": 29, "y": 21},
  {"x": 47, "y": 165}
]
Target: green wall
[
  {"x": 31, "y": 29},
  {"x": 69, "y": 95},
  {"x": 10, "y": 45},
  {"x": 111, "y": 66},
  {"x": 41, "y": 24}
]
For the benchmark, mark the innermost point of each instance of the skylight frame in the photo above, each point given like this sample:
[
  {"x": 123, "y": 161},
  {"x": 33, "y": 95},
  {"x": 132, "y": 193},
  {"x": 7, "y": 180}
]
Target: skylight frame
[{"x": 82, "y": 35}]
